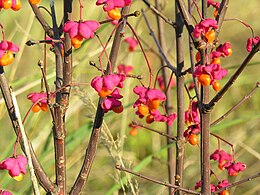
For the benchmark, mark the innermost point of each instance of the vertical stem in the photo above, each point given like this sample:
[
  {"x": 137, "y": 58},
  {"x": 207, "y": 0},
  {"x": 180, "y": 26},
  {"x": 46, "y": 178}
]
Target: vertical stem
[
  {"x": 205, "y": 125},
  {"x": 180, "y": 100},
  {"x": 94, "y": 138},
  {"x": 67, "y": 48},
  {"x": 59, "y": 110},
  {"x": 168, "y": 102}
]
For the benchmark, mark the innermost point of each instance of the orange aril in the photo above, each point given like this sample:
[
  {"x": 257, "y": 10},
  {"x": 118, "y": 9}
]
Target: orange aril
[
  {"x": 193, "y": 139},
  {"x": 215, "y": 13},
  {"x": 220, "y": 165},
  {"x": 7, "y": 4},
  {"x": 210, "y": 35},
  {"x": 104, "y": 92},
  {"x": 118, "y": 109},
  {"x": 17, "y": 6},
  {"x": 229, "y": 52},
  {"x": 44, "y": 107},
  {"x": 114, "y": 14},
  {"x": 216, "y": 86},
  {"x": 153, "y": 104},
  {"x": 224, "y": 192},
  {"x": 77, "y": 41},
  {"x": 143, "y": 110},
  {"x": 7, "y": 58},
  {"x": 34, "y": 1},
  {"x": 234, "y": 174},
  {"x": 204, "y": 79},
  {"x": 36, "y": 108},
  {"x": 215, "y": 61}
]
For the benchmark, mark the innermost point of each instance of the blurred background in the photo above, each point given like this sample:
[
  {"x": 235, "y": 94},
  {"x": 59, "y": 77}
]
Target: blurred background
[{"x": 145, "y": 152}]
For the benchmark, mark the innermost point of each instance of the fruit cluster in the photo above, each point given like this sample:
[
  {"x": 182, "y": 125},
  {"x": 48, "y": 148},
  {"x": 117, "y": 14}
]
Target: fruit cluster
[
  {"x": 211, "y": 73},
  {"x": 13, "y": 4},
  {"x": 192, "y": 119},
  {"x": 148, "y": 103},
  {"x": 6, "y": 52},
  {"x": 107, "y": 87},
  {"x": 39, "y": 101},
  {"x": 80, "y": 30},
  {"x": 16, "y": 166}
]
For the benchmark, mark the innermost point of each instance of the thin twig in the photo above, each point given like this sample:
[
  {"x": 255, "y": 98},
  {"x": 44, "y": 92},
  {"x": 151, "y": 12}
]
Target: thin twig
[
  {"x": 245, "y": 98},
  {"x": 26, "y": 145},
  {"x": 238, "y": 183},
  {"x": 47, "y": 88},
  {"x": 193, "y": 65},
  {"x": 221, "y": 15},
  {"x": 154, "y": 130},
  {"x": 158, "y": 13},
  {"x": 149, "y": 48},
  {"x": 142, "y": 49},
  {"x": 158, "y": 45},
  {"x": 42, "y": 21},
  {"x": 156, "y": 181},
  {"x": 242, "y": 22},
  {"x": 187, "y": 18}
]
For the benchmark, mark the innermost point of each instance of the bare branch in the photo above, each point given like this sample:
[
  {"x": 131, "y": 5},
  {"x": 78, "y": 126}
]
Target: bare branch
[
  {"x": 154, "y": 130},
  {"x": 42, "y": 21},
  {"x": 158, "y": 13},
  {"x": 156, "y": 181},
  {"x": 169, "y": 65},
  {"x": 245, "y": 98}
]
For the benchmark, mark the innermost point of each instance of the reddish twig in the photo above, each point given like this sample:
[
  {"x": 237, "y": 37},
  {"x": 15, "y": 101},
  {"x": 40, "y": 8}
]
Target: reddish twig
[
  {"x": 245, "y": 98},
  {"x": 158, "y": 13},
  {"x": 145, "y": 56},
  {"x": 222, "y": 139},
  {"x": 154, "y": 130},
  {"x": 242, "y": 22},
  {"x": 197, "y": 8},
  {"x": 156, "y": 181}
]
